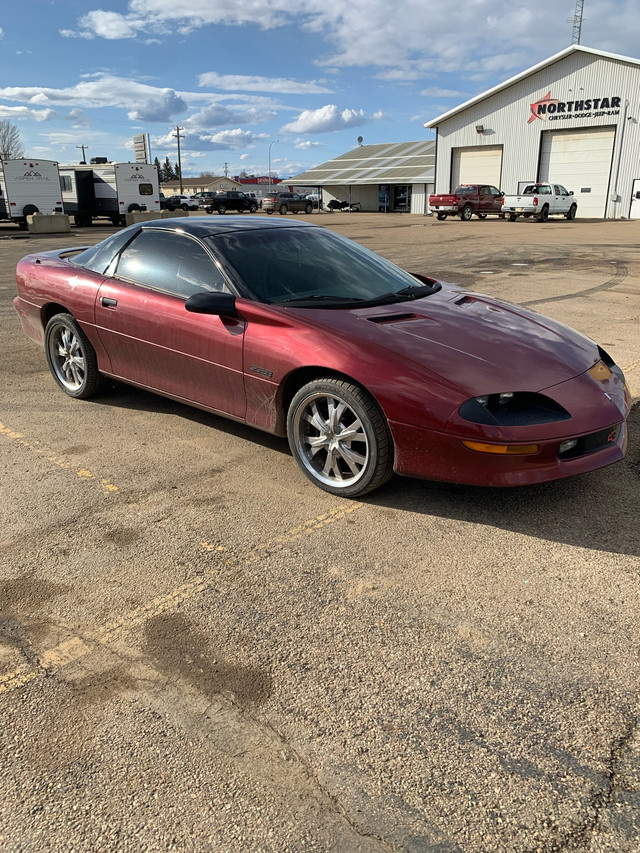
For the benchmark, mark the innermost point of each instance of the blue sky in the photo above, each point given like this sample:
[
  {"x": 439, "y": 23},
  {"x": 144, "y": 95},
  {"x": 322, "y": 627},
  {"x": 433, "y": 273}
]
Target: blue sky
[{"x": 237, "y": 75}]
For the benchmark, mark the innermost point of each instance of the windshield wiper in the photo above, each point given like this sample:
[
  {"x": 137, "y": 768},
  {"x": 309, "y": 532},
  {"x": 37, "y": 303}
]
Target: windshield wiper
[{"x": 320, "y": 298}]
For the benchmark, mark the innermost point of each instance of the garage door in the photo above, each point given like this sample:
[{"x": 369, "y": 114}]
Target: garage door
[
  {"x": 480, "y": 165},
  {"x": 581, "y": 161}
]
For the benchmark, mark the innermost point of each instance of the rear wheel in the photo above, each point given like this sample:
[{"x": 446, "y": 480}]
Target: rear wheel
[
  {"x": 269, "y": 211},
  {"x": 467, "y": 213},
  {"x": 71, "y": 358},
  {"x": 442, "y": 216},
  {"x": 339, "y": 437},
  {"x": 512, "y": 217},
  {"x": 482, "y": 215}
]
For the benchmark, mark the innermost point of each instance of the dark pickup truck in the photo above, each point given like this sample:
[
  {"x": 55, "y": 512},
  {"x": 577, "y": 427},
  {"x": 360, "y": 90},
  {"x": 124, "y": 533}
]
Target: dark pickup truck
[
  {"x": 466, "y": 200},
  {"x": 231, "y": 200}
]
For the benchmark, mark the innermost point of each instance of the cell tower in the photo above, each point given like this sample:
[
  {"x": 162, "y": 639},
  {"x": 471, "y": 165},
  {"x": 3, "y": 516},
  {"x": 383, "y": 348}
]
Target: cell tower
[{"x": 577, "y": 22}]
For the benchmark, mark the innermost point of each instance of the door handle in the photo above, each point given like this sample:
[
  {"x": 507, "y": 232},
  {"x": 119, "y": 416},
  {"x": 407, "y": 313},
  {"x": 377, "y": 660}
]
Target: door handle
[{"x": 108, "y": 302}]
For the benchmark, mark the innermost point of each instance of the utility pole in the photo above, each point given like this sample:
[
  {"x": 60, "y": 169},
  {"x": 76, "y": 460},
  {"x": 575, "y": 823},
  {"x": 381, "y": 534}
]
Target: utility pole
[
  {"x": 84, "y": 159},
  {"x": 178, "y": 137}
]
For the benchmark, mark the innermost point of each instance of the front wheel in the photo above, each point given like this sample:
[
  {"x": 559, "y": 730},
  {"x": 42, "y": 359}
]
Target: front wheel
[
  {"x": 71, "y": 358},
  {"x": 308, "y": 208},
  {"x": 467, "y": 213},
  {"x": 482, "y": 215},
  {"x": 222, "y": 209},
  {"x": 512, "y": 217},
  {"x": 571, "y": 214},
  {"x": 253, "y": 208},
  {"x": 339, "y": 437},
  {"x": 283, "y": 209}
]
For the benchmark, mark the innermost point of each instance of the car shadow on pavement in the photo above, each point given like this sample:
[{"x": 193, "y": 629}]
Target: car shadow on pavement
[{"x": 598, "y": 510}]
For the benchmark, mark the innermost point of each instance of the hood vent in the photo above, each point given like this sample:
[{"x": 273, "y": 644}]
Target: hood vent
[{"x": 384, "y": 319}]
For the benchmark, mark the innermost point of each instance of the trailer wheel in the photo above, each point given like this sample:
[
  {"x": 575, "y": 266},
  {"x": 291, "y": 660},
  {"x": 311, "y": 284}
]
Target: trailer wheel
[{"x": 133, "y": 207}]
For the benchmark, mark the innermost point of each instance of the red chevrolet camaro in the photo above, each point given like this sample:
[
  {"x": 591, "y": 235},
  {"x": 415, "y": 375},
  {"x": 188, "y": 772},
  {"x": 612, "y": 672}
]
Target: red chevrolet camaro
[{"x": 290, "y": 328}]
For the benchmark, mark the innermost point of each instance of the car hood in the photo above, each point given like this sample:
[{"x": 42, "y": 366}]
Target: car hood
[{"x": 479, "y": 344}]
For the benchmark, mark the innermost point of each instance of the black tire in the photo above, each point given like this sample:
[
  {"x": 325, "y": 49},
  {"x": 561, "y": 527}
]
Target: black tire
[
  {"x": 270, "y": 211},
  {"x": 23, "y": 224},
  {"x": 133, "y": 207},
  {"x": 481, "y": 215},
  {"x": 71, "y": 358},
  {"x": 253, "y": 208},
  {"x": 283, "y": 209},
  {"x": 544, "y": 213},
  {"x": 442, "y": 216},
  {"x": 184, "y": 207},
  {"x": 115, "y": 219},
  {"x": 308, "y": 208},
  {"x": 512, "y": 217},
  {"x": 209, "y": 209},
  {"x": 29, "y": 210},
  {"x": 339, "y": 437},
  {"x": 571, "y": 213},
  {"x": 222, "y": 209},
  {"x": 467, "y": 213}
]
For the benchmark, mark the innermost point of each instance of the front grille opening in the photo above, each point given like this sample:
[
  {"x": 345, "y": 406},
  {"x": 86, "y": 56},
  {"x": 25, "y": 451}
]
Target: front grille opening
[{"x": 589, "y": 443}]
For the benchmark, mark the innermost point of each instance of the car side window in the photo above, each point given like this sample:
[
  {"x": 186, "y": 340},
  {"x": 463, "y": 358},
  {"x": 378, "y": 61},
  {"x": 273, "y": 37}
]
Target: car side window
[
  {"x": 485, "y": 191},
  {"x": 173, "y": 263}
]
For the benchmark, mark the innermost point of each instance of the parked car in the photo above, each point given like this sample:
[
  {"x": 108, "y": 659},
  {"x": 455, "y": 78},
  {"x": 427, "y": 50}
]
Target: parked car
[
  {"x": 466, "y": 200},
  {"x": 184, "y": 202},
  {"x": 540, "y": 201},
  {"x": 164, "y": 203},
  {"x": 293, "y": 329},
  {"x": 204, "y": 198},
  {"x": 285, "y": 202},
  {"x": 231, "y": 200}
]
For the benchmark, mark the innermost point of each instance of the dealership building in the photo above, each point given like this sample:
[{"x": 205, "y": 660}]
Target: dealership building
[{"x": 572, "y": 119}]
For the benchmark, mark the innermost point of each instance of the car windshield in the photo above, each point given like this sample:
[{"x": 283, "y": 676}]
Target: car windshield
[{"x": 304, "y": 266}]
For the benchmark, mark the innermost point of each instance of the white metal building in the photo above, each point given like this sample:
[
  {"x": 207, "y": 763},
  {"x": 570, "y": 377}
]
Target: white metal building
[
  {"x": 394, "y": 177},
  {"x": 573, "y": 119}
]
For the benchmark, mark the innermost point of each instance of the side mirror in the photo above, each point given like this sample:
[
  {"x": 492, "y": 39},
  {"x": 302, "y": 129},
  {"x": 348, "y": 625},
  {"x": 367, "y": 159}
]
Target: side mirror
[
  {"x": 212, "y": 302},
  {"x": 571, "y": 192}
]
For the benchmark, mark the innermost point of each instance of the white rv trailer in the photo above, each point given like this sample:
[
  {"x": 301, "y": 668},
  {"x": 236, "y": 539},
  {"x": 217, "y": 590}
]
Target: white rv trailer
[
  {"x": 109, "y": 190},
  {"x": 28, "y": 186}
]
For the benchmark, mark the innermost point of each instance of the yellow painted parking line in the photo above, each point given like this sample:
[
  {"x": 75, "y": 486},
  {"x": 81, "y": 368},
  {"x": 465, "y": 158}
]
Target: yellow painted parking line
[
  {"x": 51, "y": 457},
  {"x": 76, "y": 648}
]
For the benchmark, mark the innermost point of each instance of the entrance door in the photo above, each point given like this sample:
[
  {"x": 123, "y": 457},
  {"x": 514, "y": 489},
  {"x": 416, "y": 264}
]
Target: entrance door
[
  {"x": 635, "y": 200},
  {"x": 402, "y": 197}
]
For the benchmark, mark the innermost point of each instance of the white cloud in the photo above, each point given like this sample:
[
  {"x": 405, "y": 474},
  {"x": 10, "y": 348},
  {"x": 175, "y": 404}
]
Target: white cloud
[
  {"x": 144, "y": 102},
  {"x": 26, "y": 113},
  {"x": 306, "y": 144},
  {"x": 325, "y": 120},
  {"x": 247, "y": 83}
]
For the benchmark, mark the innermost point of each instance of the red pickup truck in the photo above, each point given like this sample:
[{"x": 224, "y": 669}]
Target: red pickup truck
[{"x": 467, "y": 199}]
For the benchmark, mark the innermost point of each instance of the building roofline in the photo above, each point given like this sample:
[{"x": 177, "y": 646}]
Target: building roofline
[{"x": 574, "y": 48}]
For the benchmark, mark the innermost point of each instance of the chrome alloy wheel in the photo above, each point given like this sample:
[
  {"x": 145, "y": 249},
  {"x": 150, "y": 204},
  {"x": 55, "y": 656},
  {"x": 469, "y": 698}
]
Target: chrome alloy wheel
[
  {"x": 331, "y": 440},
  {"x": 67, "y": 357}
]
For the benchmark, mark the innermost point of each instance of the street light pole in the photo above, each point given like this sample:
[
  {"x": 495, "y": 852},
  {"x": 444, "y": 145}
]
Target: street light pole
[{"x": 270, "y": 144}]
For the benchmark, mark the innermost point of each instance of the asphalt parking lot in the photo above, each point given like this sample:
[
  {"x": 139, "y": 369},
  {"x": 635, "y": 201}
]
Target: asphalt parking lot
[{"x": 201, "y": 651}]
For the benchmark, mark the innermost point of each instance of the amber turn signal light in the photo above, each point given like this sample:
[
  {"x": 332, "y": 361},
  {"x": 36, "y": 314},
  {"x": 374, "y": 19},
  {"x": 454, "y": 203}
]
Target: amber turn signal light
[{"x": 505, "y": 449}]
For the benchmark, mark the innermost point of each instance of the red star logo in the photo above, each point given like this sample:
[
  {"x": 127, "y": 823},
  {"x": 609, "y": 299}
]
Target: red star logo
[{"x": 534, "y": 108}]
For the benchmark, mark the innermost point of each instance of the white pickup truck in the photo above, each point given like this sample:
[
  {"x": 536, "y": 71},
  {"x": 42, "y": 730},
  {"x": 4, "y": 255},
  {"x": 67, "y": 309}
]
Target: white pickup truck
[{"x": 540, "y": 201}]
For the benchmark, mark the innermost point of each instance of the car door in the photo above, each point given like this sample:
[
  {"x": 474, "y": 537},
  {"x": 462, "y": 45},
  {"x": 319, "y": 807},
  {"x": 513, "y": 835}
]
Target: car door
[
  {"x": 153, "y": 341},
  {"x": 563, "y": 199}
]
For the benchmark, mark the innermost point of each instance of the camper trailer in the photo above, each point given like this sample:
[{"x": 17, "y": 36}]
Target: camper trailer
[
  {"x": 28, "y": 186},
  {"x": 111, "y": 190}
]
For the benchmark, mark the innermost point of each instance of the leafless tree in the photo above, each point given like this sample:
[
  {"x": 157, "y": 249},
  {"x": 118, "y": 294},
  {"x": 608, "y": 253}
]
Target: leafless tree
[{"x": 10, "y": 144}]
